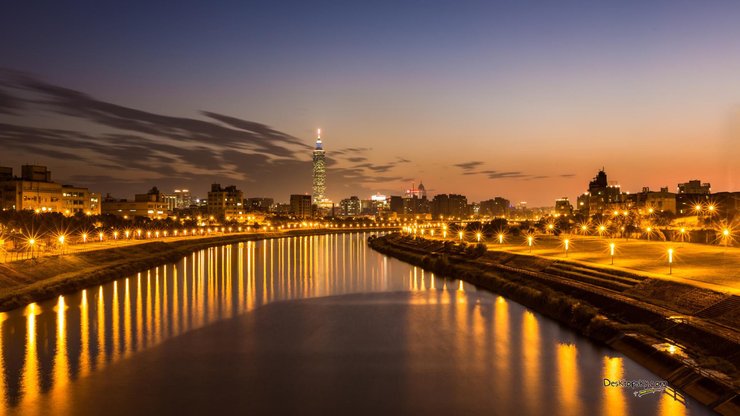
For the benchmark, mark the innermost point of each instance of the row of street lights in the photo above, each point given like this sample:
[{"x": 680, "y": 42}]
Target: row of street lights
[{"x": 530, "y": 239}]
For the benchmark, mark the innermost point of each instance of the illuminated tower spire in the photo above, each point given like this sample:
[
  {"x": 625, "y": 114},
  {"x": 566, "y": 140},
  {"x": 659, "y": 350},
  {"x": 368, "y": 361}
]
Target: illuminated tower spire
[{"x": 319, "y": 171}]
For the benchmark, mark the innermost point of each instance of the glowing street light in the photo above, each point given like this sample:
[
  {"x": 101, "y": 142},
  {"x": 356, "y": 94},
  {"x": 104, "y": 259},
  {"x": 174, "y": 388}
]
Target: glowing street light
[
  {"x": 501, "y": 238},
  {"x": 567, "y": 243},
  {"x": 115, "y": 235},
  {"x": 461, "y": 235},
  {"x": 100, "y": 235},
  {"x": 84, "y": 237},
  {"x": 127, "y": 234},
  {"x": 478, "y": 235},
  {"x": 611, "y": 251},
  {"x": 530, "y": 240},
  {"x": 670, "y": 261}
]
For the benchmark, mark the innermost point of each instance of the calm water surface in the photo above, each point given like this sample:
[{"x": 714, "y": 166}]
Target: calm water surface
[{"x": 305, "y": 324}]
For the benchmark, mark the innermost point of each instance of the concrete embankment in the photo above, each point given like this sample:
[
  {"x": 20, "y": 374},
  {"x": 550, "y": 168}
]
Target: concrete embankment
[
  {"x": 27, "y": 281},
  {"x": 686, "y": 335}
]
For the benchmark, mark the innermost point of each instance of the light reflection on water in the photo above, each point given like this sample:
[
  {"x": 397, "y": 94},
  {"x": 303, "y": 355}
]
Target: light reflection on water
[{"x": 46, "y": 347}]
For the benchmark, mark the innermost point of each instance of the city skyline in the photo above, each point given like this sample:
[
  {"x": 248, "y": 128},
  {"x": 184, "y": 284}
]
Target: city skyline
[{"x": 505, "y": 100}]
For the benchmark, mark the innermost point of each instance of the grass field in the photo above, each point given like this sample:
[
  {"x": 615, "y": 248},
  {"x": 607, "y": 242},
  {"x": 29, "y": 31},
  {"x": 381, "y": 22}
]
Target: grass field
[{"x": 710, "y": 266}]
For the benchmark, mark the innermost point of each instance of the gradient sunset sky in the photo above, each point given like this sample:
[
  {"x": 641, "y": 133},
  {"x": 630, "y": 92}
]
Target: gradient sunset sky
[{"x": 519, "y": 99}]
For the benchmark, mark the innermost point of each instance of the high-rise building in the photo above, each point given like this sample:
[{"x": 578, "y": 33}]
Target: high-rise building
[
  {"x": 601, "y": 195},
  {"x": 350, "y": 207},
  {"x": 451, "y": 205},
  {"x": 184, "y": 199},
  {"x": 496, "y": 207},
  {"x": 300, "y": 205},
  {"x": 225, "y": 202},
  {"x": 319, "y": 171}
]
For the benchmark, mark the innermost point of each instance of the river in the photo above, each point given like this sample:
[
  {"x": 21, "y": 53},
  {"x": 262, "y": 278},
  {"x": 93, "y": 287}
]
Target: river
[{"x": 314, "y": 324}]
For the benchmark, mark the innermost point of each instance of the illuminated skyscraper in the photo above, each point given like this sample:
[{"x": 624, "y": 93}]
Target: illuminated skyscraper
[{"x": 319, "y": 171}]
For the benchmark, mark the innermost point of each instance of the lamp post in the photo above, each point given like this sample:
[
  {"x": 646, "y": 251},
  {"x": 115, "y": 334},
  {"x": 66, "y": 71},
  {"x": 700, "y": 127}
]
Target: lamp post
[
  {"x": 670, "y": 261},
  {"x": 500, "y": 238},
  {"x": 461, "y": 236},
  {"x": 611, "y": 251},
  {"x": 478, "y": 235},
  {"x": 567, "y": 243},
  {"x": 530, "y": 239}
]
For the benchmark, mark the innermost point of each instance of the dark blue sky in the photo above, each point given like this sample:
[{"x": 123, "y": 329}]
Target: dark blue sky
[{"x": 437, "y": 83}]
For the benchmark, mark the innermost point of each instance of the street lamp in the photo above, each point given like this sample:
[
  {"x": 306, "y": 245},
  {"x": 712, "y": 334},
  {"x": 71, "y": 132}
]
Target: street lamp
[
  {"x": 611, "y": 251},
  {"x": 567, "y": 243},
  {"x": 461, "y": 235},
  {"x": 530, "y": 240},
  {"x": 100, "y": 235},
  {"x": 478, "y": 235},
  {"x": 670, "y": 261},
  {"x": 726, "y": 236},
  {"x": 501, "y": 238}
]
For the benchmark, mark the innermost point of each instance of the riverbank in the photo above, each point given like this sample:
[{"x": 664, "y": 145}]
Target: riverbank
[
  {"x": 28, "y": 281},
  {"x": 684, "y": 334}
]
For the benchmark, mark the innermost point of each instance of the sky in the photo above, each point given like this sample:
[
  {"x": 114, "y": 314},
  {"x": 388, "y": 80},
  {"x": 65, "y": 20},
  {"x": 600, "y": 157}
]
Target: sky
[{"x": 520, "y": 99}]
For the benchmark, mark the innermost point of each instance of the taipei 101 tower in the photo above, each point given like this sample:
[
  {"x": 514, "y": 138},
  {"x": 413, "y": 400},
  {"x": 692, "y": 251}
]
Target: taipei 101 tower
[{"x": 319, "y": 171}]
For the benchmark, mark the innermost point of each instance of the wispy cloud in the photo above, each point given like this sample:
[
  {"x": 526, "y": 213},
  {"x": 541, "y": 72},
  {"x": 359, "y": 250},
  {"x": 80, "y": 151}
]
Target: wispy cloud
[
  {"x": 467, "y": 166},
  {"x": 145, "y": 148}
]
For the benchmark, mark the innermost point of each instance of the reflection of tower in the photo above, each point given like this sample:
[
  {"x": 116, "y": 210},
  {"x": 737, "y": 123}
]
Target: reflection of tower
[{"x": 319, "y": 171}]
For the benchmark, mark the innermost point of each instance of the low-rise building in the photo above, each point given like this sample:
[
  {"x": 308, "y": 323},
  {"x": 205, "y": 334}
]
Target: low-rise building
[
  {"x": 34, "y": 190},
  {"x": 151, "y": 205}
]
